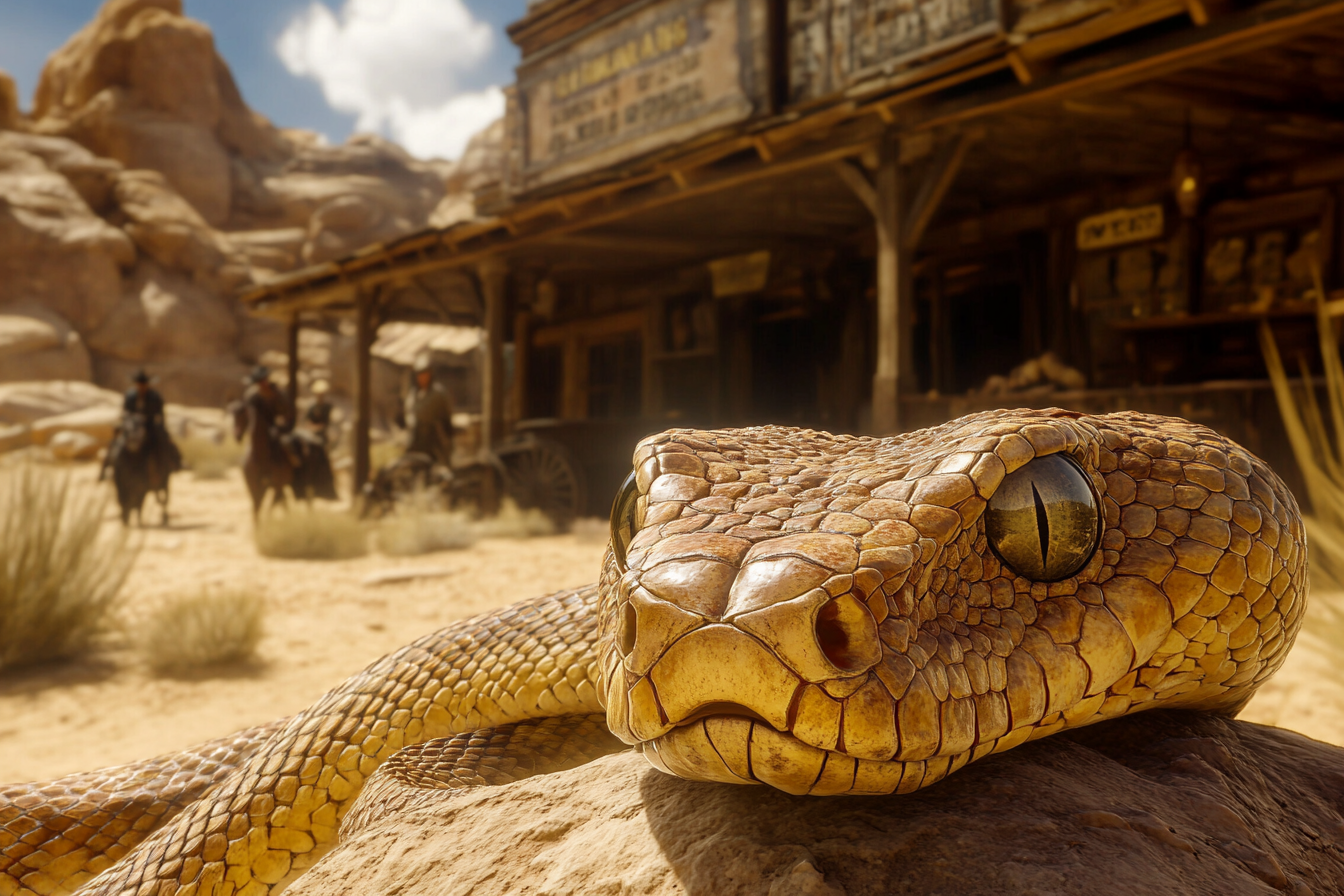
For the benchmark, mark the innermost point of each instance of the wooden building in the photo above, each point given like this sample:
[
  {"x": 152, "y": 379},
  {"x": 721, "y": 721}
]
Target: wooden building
[{"x": 852, "y": 214}]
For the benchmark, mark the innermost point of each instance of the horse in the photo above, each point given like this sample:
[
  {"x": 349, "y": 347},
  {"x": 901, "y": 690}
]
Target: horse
[
  {"x": 138, "y": 469},
  {"x": 268, "y": 465}
]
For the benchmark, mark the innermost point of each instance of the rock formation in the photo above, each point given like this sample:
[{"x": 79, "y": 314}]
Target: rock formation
[
  {"x": 141, "y": 193},
  {"x": 1159, "y": 803}
]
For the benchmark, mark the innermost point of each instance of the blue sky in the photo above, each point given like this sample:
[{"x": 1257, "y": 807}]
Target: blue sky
[{"x": 423, "y": 72}]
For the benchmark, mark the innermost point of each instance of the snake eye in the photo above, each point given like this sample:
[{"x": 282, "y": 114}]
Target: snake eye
[
  {"x": 1044, "y": 521},
  {"x": 623, "y": 522}
]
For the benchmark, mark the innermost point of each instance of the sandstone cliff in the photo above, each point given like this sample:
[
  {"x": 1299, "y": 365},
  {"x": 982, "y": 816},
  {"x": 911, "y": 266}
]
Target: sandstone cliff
[{"x": 141, "y": 193}]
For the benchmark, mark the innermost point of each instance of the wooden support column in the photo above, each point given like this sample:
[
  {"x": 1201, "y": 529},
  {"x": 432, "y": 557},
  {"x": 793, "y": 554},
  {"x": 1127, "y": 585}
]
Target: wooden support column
[
  {"x": 494, "y": 277},
  {"x": 363, "y": 385},
  {"x": 494, "y": 282},
  {"x": 893, "y": 262},
  {"x": 522, "y": 336},
  {"x": 292, "y": 349}
]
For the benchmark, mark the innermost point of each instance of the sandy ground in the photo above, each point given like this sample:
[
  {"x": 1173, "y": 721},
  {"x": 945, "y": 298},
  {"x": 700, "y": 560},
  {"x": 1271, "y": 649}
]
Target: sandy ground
[{"x": 323, "y": 624}]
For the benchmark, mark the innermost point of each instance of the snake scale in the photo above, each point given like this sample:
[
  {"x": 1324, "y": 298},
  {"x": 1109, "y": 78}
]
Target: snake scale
[{"x": 822, "y": 614}]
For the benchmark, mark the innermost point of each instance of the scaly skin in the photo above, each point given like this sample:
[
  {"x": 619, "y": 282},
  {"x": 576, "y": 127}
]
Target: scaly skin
[{"x": 823, "y": 614}]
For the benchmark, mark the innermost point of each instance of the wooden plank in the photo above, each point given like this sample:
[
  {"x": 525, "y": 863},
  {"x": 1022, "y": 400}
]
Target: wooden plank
[{"x": 1223, "y": 37}]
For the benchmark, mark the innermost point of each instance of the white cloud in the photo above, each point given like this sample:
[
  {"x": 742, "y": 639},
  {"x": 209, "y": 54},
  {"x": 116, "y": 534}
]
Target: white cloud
[{"x": 398, "y": 65}]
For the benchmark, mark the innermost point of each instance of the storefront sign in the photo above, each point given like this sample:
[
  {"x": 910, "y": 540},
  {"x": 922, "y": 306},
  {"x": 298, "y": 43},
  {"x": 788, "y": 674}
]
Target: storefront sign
[
  {"x": 1121, "y": 226},
  {"x": 834, "y": 44},
  {"x": 665, "y": 73},
  {"x": 740, "y": 274}
]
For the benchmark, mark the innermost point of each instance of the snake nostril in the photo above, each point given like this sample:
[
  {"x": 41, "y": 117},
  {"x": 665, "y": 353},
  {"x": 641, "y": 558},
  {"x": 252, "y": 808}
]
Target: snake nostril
[
  {"x": 836, "y": 638},
  {"x": 629, "y": 621}
]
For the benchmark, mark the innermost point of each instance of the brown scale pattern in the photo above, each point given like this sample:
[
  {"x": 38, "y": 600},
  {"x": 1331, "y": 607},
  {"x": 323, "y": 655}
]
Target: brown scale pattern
[{"x": 706, "y": 653}]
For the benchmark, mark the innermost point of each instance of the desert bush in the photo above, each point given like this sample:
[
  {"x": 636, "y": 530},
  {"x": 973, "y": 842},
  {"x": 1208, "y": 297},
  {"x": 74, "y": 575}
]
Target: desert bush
[
  {"x": 61, "y": 569},
  {"x": 419, "y": 525},
  {"x": 298, "y": 532},
  {"x": 1317, "y": 446},
  {"x": 209, "y": 459},
  {"x": 512, "y": 522},
  {"x": 207, "y": 628}
]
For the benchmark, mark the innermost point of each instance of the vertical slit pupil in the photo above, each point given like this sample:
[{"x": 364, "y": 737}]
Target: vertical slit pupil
[{"x": 1042, "y": 526}]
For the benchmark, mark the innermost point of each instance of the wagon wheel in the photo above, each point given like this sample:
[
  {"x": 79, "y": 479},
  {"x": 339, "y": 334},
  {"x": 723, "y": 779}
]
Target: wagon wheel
[{"x": 543, "y": 474}]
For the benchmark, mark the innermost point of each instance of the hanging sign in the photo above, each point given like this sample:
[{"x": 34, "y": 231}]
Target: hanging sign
[{"x": 1121, "y": 226}]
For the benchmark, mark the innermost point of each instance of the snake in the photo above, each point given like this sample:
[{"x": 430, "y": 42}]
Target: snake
[{"x": 822, "y": 614}]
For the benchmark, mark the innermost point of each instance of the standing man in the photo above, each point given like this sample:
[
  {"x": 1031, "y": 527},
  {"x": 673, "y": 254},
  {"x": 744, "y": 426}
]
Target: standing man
[{"x": 429, "y": 416}]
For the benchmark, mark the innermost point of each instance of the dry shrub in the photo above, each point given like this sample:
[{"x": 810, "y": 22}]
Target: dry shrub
[
  {"x": 210, "y": 459},
  {"x": 419, "y": 525},
  {"x": 208, "y": 628},
  {"x": 1318, "y": 446},
  {"x": 299, "y": 532},
  {"x": 61, "y": 570},
  {"x": 511, "y": 522}
]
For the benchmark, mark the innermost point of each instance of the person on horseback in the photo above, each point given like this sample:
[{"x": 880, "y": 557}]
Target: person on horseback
[
  {"x": 270, "y": 407},
  {"x": 144, "y": 400}
]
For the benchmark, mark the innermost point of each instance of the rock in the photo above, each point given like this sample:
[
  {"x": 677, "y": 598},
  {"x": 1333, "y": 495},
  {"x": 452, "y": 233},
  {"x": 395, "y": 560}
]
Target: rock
[
  {"x": 28, "y": 402},
  {"x": 1155, "y": 803},
  {"x": 13, "y": 437},
  {"x": 167, "y": 229},
  {"x": 272, "y": 250},
  {"x": 165, "y": 317},
  {"x": 72, "y": 445},
  {"x": 10, "y": 117},
  {"x": 36, "y": 344},
  {"x": 97, "y": 423},
  {"x": 482, "y": 161},
  {"x": 142, "y": 84},
  {"x": 90, "y": 175},
  {"x": 54, "y": 251},
  {"x": 212, "y": 424},
  {"x": 197, "y": 382}
]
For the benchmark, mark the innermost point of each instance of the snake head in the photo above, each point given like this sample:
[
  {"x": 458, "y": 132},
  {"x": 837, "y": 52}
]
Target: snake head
[{"x": 835, "y": 614}]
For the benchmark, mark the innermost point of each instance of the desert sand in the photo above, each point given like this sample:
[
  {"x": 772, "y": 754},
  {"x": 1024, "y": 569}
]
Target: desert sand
[{"x": 324, "y": 623}]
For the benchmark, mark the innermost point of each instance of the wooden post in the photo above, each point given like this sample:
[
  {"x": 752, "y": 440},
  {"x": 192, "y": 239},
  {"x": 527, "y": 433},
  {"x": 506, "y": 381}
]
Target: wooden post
[
  {"x": 494, "y": 281},
  {"x": 522, "y": 326},
  {"x": 892, "y": 273},
  {"x": 292, "y": 347},
  {"x": 494, "y": 277},
  {"x": 363, "y": 386}
]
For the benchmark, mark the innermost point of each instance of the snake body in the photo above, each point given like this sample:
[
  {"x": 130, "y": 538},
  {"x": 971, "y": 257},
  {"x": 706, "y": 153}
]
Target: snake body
[{"x": 823, "y": 614}]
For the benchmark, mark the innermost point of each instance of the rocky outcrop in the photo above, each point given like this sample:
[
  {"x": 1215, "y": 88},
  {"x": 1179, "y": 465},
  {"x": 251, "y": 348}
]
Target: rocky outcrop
[
  {"x": 9, "y": 102},
  {"x": 37, "y": 344},
  {"x": 1159, "y": 803},
  {"x": 141, "y": 193}
]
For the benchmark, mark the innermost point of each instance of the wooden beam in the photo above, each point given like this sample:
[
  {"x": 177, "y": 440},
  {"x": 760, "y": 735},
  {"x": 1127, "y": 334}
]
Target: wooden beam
[
  {"x": 1224, "y": 36},
  {"x": 364, "y": 334},
  {"x": 857, "y": 180},
  {"x": 1199, "y": 14},
  {"x": 1019, "y": 66},
  {"x": 942, "y": 172},
  {"x": 320, "y": 294}
]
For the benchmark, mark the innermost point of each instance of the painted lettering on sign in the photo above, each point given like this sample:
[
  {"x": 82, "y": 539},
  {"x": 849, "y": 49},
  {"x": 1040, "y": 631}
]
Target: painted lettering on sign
[
  {"x": 663, "y": 73},
  {"x": 1121, "y": 226},
  {"x": 834, "y": 44}
]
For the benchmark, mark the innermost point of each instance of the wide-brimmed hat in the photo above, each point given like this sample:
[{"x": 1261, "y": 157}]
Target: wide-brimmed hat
[
  {"x": 423, "y": 363},
  {"x": 141, "y": 377},
  {"x": 321, "y": 387},
  {"x": 259, "y": 373}
]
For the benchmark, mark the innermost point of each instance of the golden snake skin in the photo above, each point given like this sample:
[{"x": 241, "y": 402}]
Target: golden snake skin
[{"x": 823, "y": 614}]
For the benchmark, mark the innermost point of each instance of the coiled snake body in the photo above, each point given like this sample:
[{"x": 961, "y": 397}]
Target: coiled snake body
[{"x": 823, "y": 614}]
